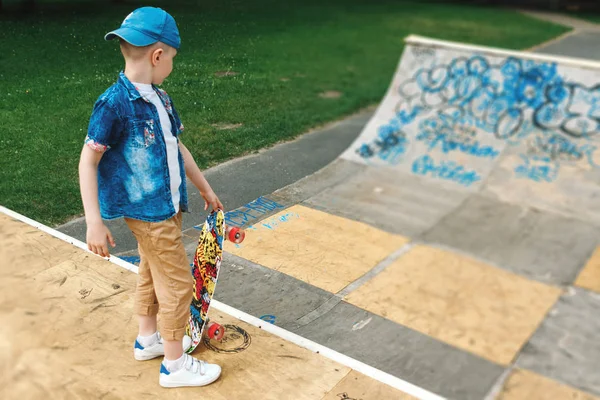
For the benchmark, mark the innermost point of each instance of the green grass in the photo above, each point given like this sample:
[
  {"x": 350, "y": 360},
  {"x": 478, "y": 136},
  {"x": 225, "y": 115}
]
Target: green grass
[
  {"x": 54, "y": 64},
  {"x": 592, "y": 17}
]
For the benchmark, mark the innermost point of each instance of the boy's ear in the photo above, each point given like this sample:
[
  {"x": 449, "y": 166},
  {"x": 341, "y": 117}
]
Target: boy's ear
[{"x": 156, "y": 55}]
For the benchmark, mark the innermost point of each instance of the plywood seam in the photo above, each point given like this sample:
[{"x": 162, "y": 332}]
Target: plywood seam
[
  {"x": 498, "y": 386},
  {"x": 334, "y": 386},
  {"x": 320, "y": 311},
  {"x": 324, "y": 261},
  {"x": 421, "y": 235},
  {"x": 338, "y": 297},
  {"x": 513, "y": 363},
  {"x": 416, "y": 318},
  {"x": 377, "y": 269}
]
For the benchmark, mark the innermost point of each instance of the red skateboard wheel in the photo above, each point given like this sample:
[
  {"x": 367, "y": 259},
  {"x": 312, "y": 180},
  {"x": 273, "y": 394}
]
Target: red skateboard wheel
[
  {"x": 215, "y": 331},
  {"x": 236, "y": 235}
]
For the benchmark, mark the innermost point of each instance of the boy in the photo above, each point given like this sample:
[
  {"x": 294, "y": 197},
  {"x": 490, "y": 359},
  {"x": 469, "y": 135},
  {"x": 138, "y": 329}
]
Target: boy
[{"x": 134, "y": 166}]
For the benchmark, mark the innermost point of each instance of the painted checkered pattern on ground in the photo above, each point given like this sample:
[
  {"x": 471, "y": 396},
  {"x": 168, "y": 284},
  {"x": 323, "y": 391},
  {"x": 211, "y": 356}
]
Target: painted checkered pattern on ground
[{"x": 456, "y": 298}]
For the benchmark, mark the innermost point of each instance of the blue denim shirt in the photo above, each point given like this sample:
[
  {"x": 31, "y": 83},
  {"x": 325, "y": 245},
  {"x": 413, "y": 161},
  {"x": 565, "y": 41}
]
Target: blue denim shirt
[{"x": 133, "y": 174}]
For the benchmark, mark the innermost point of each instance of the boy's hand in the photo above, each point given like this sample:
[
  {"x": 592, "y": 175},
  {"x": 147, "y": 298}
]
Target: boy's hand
[
  {"x": 97, "y": 236},
  {"x": 211, "y": 199}
]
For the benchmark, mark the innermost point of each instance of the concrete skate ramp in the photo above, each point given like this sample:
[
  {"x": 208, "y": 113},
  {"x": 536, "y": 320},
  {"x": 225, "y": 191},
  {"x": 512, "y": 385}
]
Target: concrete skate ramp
[
  {"x": 517, "y": 126},
  {"x": 461, "y": 226}
]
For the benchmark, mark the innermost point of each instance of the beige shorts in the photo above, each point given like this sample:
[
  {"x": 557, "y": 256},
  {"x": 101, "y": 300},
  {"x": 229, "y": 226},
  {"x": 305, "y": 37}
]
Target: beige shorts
[{"x": 165, "y": 280}]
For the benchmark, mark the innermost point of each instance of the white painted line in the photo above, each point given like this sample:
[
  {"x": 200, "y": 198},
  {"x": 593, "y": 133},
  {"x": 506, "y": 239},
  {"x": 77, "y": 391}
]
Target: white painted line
[
  {"x": 340, "y": 358},
  {"x": 66, "y": 238},
  {"x": 329, "y": 353},
  {"x": 576, "y": 62}
]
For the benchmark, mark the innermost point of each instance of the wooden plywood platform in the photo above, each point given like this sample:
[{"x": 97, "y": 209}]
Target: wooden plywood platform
[
  {"x": 316, "y": 247},
  {"x": 67, "y": 331},
  {"x": 456, "y": 300}
]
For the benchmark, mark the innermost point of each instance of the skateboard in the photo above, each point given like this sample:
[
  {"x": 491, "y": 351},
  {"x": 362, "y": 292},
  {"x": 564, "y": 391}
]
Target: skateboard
[{"x": 205, "y": 270}]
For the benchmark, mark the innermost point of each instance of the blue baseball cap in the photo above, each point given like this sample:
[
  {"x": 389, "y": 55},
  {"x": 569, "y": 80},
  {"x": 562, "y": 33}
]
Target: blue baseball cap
[{"x": 148, "y": 25}]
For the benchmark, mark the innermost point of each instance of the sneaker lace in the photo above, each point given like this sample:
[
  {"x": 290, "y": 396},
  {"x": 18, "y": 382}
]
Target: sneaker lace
[{"x": 194, "y": 365}]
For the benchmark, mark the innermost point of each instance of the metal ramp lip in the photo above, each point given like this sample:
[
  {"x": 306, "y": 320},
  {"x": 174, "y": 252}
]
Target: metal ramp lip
[{"x": 496, "y": 51}]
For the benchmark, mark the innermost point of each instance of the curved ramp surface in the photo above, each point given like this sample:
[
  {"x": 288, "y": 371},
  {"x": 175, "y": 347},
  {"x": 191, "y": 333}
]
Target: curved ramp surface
[
  {"x": 517, "y": 126},
  {"x": 459, "y": 229}
]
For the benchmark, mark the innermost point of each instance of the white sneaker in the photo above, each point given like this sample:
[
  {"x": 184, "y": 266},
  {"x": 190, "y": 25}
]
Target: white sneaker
[
  {"x": 142, "y": 353},
  {"x": 193, "y": 373}
]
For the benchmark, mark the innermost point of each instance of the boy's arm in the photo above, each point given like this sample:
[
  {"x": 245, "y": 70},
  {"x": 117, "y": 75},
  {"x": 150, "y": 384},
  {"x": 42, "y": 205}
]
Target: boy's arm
[
  {"x": 97, "y": 233},
  {"x": 193, "y": 172}
]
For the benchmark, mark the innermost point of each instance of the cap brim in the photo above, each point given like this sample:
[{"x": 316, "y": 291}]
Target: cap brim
[{"x": 131, "y": 36}]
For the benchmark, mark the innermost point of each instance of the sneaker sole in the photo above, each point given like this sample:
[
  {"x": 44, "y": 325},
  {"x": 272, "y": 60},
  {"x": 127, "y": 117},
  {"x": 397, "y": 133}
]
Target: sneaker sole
[
  {"x": 141, "y": 357},
  {"x": 176, "y": 384}
]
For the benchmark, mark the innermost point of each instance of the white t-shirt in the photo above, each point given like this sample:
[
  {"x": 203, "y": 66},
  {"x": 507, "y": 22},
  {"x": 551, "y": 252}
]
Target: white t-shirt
[{"x": 147, "y": 92}]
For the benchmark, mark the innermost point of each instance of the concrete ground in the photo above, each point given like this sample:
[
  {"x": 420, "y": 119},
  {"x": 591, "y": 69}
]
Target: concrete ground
[{"x": 400, "y": 273}]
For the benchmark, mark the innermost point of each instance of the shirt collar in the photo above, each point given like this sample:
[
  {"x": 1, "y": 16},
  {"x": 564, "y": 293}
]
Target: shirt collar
[{"x": 133, "y": 92}]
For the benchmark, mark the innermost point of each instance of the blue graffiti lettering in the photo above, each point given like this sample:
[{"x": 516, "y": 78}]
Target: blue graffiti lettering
[
  {"x": 447, "y": 170},
  {"x": 390, "y": 145},
  {"x": 449, "y": 144},
  {"x": 268, "y": 318},
  {"x": 131, "y": 259},
  {"x": 274, "y": 222},
  {"x": 546, "y": 172},
  {"x": 560, "y": 148},
  {"x": 512, "y": 100},
  {"x": 238, "y": 217},
  {"x": 251, "y": 211}
]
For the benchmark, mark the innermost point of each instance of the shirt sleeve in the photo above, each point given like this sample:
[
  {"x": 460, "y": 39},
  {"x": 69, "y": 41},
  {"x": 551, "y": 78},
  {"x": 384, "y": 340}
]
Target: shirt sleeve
[{"x": 104, "y": 129}]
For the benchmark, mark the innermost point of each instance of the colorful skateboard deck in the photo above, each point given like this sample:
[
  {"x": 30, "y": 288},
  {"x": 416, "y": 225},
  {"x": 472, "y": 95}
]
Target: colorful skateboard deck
[{"x": 205, "y": 270}]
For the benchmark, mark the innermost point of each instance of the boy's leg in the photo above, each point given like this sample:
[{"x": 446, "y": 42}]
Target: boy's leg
[
  {"x": 146, "y": 303},
  {"x": 147, "y": 344},
  {"x": 172, "y": 278},
  {"x": 148, "y": 325},
  {"x": 173, "y": 285}
]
